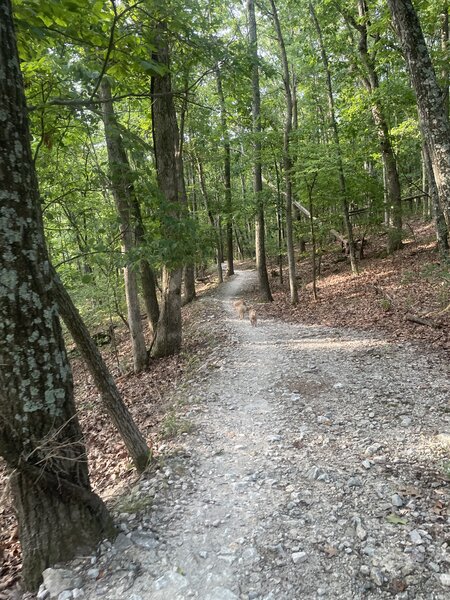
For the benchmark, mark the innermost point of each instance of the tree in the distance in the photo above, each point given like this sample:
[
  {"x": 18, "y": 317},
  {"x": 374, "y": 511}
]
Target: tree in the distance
[{"x": 40, "y": 437}]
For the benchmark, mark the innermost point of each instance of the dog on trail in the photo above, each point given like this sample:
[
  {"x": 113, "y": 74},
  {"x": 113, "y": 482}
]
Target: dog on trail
[
  {"x": 252, "y": 317},
  {"x": 240, "y": 307}
]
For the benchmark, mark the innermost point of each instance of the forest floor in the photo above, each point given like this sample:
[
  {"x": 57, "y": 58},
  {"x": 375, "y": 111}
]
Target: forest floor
[{"x": 293, "y": 460}]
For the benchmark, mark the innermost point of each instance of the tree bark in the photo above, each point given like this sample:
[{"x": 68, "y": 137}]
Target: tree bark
[
  {"x": 371, "y": 82},
  {"x": 165, "y": 143},
  {"x": 439, "y": 219},
  {"x": 121, "y": 185},
  {"x": 111, "y": 398},
  {"x": 433, "y": 113},
  {"x": 260, "y": 250},
  {"x": 226, "y": 175},
  {"x": 287, "y": 161},
  {"x": 334, "y": 126},
  {"x": 40, "y": 437}
]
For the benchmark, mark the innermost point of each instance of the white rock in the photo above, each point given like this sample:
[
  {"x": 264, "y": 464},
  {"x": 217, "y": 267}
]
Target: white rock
[
  {"x": 58, "y": 580},
  {"x": 445, "y": 579},
  {"x": 415, "y": 537},
  {"x": 66, "y": 595},
  {"x": 299, "y": 557}
]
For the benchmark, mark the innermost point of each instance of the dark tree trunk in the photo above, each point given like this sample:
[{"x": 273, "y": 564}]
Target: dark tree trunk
[
  {"x": 111, "y": 398},
  {"x": 371, "y": 82},
  {"x": 430, "y": 100},
  {"x": 121, "y": 185},
  {"x": 40, "y": 438},
  {"x": 334, "y": 125},
  {"x": 287, "y": 161},
  {"x": 189, "y": 284},
  {"x": 260, "y": 249},
  {"x": 165, "y": 143},
  {"x": 226, "y": 175}
]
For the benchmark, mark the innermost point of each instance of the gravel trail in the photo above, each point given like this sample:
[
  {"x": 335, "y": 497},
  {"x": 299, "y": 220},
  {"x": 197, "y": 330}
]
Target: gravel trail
[{"x": 317, "y": 468}]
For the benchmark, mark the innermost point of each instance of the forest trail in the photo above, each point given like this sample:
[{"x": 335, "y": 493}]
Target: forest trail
[{"x": 313, "y": 471}]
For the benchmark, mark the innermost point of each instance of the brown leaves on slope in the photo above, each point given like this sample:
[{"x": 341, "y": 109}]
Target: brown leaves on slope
[{"x": 390, "y": 290}]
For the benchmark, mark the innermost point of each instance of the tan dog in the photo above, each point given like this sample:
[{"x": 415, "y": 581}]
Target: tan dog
[
  {"x": 252, "y": 317},
  {"x": 240, "y": 307}
]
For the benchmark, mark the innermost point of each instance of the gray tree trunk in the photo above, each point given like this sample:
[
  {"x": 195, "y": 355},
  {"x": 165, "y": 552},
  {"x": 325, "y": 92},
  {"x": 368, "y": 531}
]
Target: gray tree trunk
[
  {"x": 432, "y": 108},
  {"x": 260, "y": 249},
  {"x": 121, "y": 186},
  {"x": 111, "y": 398},
  {"x": 40, "y": 438},
  {"x": 287, "y": 161},
  {"x": 439, "y": 219},
  {"x": 165, "y": 143}
]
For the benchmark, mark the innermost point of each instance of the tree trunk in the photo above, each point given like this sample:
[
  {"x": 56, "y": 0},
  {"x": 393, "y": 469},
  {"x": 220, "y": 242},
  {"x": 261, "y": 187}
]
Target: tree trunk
[
  {"x": 433, "y": 113},
  {"x": 121, "y": 185},
  {"x": 226, "y": 175},
  {"x": 439, "y": 219},
  {"x": 148, "y": 277},
  {"x": 189, "y": 284},
  {"x": 334, "y": 125},
  {"x": 287, "y": 161},
  {"x": 371, "y": 82},
  {"x": 40, "y": 437},
  {"x": 111, "y": 398},
  {"x": 165, "y": 143},
  {"x": 206, "y": 201},
  {"x": 260, "y": 250}
]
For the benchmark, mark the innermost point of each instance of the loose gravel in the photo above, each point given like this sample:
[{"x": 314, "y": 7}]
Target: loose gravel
[{"x": 316, "y": 466}]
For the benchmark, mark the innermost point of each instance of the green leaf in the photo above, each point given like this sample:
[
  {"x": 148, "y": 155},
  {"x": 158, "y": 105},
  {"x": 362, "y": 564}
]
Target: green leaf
[{"x": 396, "y": 520}]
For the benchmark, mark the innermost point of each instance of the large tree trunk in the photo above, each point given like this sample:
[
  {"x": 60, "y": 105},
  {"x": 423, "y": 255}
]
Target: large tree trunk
[
  {"x": 430, "y": 101},
  {"x": 226, "y": 175},
  {"x": 40, "y": 437},
  {"x": 111, "y": 398},
  {"x": 121, "y": 185},
  {"x": 260, "y": 249},
  {"x": 334, "y": 125},
  {"x": 287, "y": 161},
  {"x": 165, "y": 143}
]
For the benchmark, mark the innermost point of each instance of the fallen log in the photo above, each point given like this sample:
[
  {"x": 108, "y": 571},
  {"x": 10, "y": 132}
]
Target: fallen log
[{"x": 421, "y": 321}]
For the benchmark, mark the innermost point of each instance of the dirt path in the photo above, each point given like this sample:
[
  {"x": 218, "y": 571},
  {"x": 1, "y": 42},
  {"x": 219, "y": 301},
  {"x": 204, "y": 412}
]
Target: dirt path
[{"x": 314, "y": 470}]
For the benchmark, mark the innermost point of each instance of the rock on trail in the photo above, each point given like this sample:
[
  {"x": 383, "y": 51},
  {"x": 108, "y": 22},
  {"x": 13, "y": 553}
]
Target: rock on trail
[{"x": 315, "y": 469}]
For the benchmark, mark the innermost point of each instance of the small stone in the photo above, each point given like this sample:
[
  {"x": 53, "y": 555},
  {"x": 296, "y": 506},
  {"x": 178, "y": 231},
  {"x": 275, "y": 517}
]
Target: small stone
[
  {"x": 93, "y": 573},
  {"x": 377, "y": 577},
  {"x": 373, "y": 449},
  {"x": 415, "y": 537},
  {"x": 361, "y": 533},
  {"x": 406, "y": 422},
  {"x": 338, "y": 386},
  {"x": 203, "y": 554},
  {"x": 366, "y": 464},
  {"x": 66, "y": 595},
  {"x": 322, "y": 420},
  {"x": 299, "y": 557},
  {"x": 397, "y": 500},
  {"x": 78, "y": 593},
  {"x": 354, "y": 482},
  {"x": 434, "y": 567},
  {"x": 445, "y": 579},
  {"x": 145, "y": 541},
  {"x": 364, "y": 570},
  {"x": 274, "y": 438}
]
